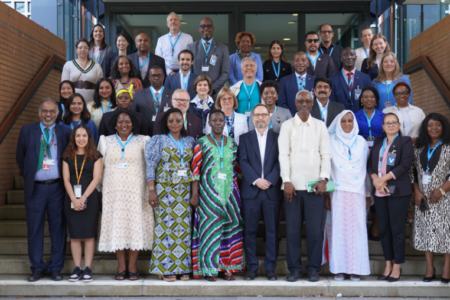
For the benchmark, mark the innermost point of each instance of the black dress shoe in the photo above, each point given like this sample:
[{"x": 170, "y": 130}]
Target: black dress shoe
[
  {"x": 37, "y": 274},
  {"x": 251, "y": 275},
  {"x": 393, "y": 279},
  {"x": 382, "y": 277},
  {"x": 271, "y": 275},
  {"x": 445, "y": 280},
  {"x": 56, "y": 275},
  {"x": 293, "y": 276},
  {"x": 372, "y": 237},
  {"x": 313, "y": 276},
  {"x": 429, "y": 279}
]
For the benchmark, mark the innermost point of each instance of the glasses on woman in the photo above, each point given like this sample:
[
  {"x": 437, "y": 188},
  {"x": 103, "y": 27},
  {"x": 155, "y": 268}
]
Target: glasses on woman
[
  {"x": 390, "y": 123},
  {"x": 401, "y": 94}
]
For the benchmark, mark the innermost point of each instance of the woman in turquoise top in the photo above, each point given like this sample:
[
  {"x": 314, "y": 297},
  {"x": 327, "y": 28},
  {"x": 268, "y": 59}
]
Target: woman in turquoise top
[{"x": 247, "y": 90}]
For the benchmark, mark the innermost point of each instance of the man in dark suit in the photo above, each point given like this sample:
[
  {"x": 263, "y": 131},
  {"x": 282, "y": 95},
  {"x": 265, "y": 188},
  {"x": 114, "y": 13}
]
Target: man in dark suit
[
  {"x": 324, "y": 109},
  {"x": 193, "y": 124},
  {"x": 155, "y": 99},
  {"x": 260, "y": 190},
  {"x": 290, "y": 85},
  {"x": 184, "y": 78},
  {"x": 143, "y": 59},
  {"x": 349, "y": 82},
  {"x": 39, "y": 150},
  {"x": 329, "y": 48},
  {"x": 211, "y": 58},
  {"x": 321, "y": 65}
]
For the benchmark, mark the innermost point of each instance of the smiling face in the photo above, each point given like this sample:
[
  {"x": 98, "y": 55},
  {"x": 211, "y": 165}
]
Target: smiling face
[
  {"x": 347, "y": 122},
  {"x": 124, "y": 101},
  {"x": 82, "y": 50},
  {"x": 202, "y": 87},
  {"x": 124, "y": 66},
  {"x": 249, "y": 69},
  {"x": 99, "y": 33},
  {"x": 401, "y": 95},
  {"x": 81, "y": 138},
  {"x": 245, "y": 44},
  {"x": 66, "y": 90},
  {"x": 326, "y": 33},
  {"x": 379, "y": 46},
  {"x": 389, "y": 64},
  {"x": 300, "y": 63},
  {"x": 276, "y": 51},
  {"x": 312, "y": 43},
  {"x": 322, "y": 91},
  {"x": 304, "y": 103},
  {"x": 185, "y": 62},
  {"x": 48, "y": 113},
  {"x": 181, "y": 100},
  {"x": 156, "y": 77},
  {"x": 142, "y": 42},
  {"x": 124, "y": 126},
  {"x": 391, "y": 124},
  {"x": 122, "y": 43},
  {"x": 227, "y": 102},
  {"x": 173, "y": 22},
  {"x": 175, "y": 122},
  {"x": 261, "y": 117},
  {"x": 105, "y": 90},
  {"x": 368, "y": 100},
  {"x": 270, "y": 96},
  {"x": 348, "y": 58},
  {"x": 366, "y": 36},
  {"x": 434, "y": 129},
  {"x": 76, "y": 107},
  {"x": 206, "y": 29},
  {"x": 217, "y": 123}
]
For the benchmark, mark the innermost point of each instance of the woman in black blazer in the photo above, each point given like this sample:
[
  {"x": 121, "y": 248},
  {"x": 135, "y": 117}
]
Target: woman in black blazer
[
  {"x": 276, "y": 66},
  {"x": 388, "y": 166}
]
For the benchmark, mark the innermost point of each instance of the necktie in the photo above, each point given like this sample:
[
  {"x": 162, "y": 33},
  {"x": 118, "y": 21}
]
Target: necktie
[
  {"x": 349, "y": 75},
  {"x": 300, "y": 81},
  {"x": 46, "y": 132},
  {"x": 43, "y": 145},
  {"x": 206, "y": 45}
]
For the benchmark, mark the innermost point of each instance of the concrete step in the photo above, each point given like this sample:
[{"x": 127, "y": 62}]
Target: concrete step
[
  {"x": 19, "y": 183},
  {"x": 12, "y": 212},
  {"x": 106, "y": 263},
  {"x": 15, "y": 197},
  {"x": 17, "y": 228},
  {"x": 150, "y": 286}
]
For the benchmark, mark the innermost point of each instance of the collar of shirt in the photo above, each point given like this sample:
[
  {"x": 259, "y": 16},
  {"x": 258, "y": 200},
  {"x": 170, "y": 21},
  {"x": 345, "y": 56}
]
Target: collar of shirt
[
  {"x": 264, "y": 135},
  {"x": 210, "y": 41},
  {"x": 326, "y": 49},
  {"x": 174, "y": 35},
  {"x": 346, "y": 72},
  {"x": 181, "y": 74},
  {"x": 320, "y": 104},
  {"x": 302, "y": 76},
  {"x": 409, "y": 107},
  {"x": 51, "y": 127},
  {"x": 155, "y": 90},
  {"x": 299, "y": 121}
]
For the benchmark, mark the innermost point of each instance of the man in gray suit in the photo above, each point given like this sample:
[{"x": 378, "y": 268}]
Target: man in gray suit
[
  {"x": 150, "y": 101},
  {"x": 211, "y": 58},
  {"x": 324, "y": 109}
]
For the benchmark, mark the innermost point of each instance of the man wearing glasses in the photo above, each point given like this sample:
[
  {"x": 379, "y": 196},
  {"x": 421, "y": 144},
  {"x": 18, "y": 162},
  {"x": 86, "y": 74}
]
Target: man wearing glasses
[
  {"x": 328, "y": 47},
  {"x": 321, "y": 65},
  {"x": 192, "y": 123},
  {"x": 211, "y": 58}
]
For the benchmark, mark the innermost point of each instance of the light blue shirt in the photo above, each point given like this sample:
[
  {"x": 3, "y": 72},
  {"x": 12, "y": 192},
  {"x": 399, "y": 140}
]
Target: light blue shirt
[
  {"x": 383, "y": 91},
  {"x": 235, "y": 68},
  {"x": 53, "y": 172}
]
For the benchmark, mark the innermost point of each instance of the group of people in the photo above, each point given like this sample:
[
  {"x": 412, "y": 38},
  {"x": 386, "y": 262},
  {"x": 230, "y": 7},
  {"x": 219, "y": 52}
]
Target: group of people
[{"x": 184, "y": 166}]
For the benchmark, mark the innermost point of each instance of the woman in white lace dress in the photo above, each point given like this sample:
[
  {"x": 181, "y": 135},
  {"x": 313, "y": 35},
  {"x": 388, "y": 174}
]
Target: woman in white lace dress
[{"x": 127, "y": 217}]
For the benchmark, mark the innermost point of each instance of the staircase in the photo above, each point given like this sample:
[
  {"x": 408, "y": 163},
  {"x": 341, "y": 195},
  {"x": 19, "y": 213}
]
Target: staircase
[{"x": 15, "y": 268}]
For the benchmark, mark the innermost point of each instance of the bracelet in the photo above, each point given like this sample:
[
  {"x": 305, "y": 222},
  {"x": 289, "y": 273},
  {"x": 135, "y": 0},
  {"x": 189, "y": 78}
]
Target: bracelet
[
  {"x": 442, "y": 191},
  {"x": 85, "y": 196},
  {"x": 151, "y": 188}
]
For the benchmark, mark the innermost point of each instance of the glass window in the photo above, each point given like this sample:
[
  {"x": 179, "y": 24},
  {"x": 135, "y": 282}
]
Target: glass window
[
  {"x": 269, "y": 27},
  {"x": 8, "y": 3},
  {"x": 411, "y": 27},
  {"x": 430, "y": 15},
  {"x": 20, "y": 7},
  {"x": 29, "y": 7}
]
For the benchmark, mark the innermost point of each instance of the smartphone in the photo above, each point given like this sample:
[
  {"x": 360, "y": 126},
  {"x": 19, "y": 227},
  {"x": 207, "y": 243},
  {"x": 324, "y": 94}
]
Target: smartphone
[{"x": 423, "y": 206}]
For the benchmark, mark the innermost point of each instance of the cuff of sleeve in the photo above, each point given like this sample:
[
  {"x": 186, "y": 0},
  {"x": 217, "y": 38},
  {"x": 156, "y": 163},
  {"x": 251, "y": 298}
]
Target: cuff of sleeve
[
  {"x": 254, "y": 182},
  {"x": 392, "y": 174},
  {"x": 286, "y": 179}
]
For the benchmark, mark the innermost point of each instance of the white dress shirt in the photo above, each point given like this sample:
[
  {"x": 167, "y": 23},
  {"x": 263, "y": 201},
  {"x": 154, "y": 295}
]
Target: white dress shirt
[
  {"x": 323, "y": 110},
  {"x": 305, "y": 153},
  {"x": 186, "y": 79},
  {"x": 313, "y": 59},
  {"x": 410, "y": 125},
  {"x": 262, "y": 140},
  {"x": 164, "y": 49}
]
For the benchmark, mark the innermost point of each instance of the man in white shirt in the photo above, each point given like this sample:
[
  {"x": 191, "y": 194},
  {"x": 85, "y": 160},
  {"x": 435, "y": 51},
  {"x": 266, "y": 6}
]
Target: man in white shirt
[
  {"x": 169, "y": 45},
  {"x": 305, "y": 156}
]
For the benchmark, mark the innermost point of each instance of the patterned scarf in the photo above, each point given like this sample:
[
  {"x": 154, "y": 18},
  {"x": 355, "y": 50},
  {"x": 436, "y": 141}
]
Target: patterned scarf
[{"x": 203, "y": 106}]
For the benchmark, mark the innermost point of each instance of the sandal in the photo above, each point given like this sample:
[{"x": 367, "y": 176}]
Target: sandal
[
  {"x": 211, "y": 278},
  {"x": 184, "y": 277},
  {"x": 132, "y": 274},
  {"x": 228, "y": 276},
  {"x": 354, "y": 277},
  {"x": 339, "y": 277},
  {"x": 120, "y": 275},
  {"x": 167, "y": 278}
]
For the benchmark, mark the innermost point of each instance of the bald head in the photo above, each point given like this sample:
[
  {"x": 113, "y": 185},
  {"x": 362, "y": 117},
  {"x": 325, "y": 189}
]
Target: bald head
[
  {"x": 300, "y": 62},
  {"x": 142, "y": 43},
  {"x": 304, "y": 102},
  {"x": 206, "y": 28}
]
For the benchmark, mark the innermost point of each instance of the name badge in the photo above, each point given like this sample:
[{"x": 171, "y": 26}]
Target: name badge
[
  {"x": 50, "y": 162},
  {"x": 370, "y": 144},
  {"x": 222, "y": 176},
  {"x": 388, "y": 104},
  {"x": 45, "y": 166},
  {"x": 391, "y": 159},
  {"x": 213, "y": 60},
  {"x": 77, "y": 190},
  {"x": 350, "y": 167},
  {"x": 357, "y": 94},
  {"x": 426, "y": 178},
  {"x": 205, "y": 68},
  {"x": 247, "y": 113},
  {"x": 154, "y": 118},
  {"x": 173, "y": 62},
  {"x": 123, "y": 165},
  {"x": 182, "y": 172}
]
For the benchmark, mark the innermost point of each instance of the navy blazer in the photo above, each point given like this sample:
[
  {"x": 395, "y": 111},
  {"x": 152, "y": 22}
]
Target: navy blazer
[
  {"x": 289, "y": 88},
  {"x": 27, "y": 153},
  {"x": 173, "y": 82},
  {"x": 404, "y": 151},
  {"x": 250, "y": 164},
  {"x": 154, "y": 60},
  {"x": 339, "y": 90},
  {"x": 372, "y": 72}
]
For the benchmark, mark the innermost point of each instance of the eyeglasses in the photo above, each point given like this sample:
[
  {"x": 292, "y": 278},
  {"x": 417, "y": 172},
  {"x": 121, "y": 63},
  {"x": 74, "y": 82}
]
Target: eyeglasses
[
  {"x": 46, "y": 112},
  {"x": 312, "y": 41},
  {"x": 157, "y": 76},
  {"x": 206, "y": 26},
  {"x": 401, "y": 94},
  {"x": 83, "y": 48},
  {"x": 327, "y": 32},
  {"x": 390, "y": 124},
  {"x": 178, "y": 121},
  {"x": 305, "y": 102},
  {"x": 181, "y": 100},
  {"x": 260, "y": 115}
]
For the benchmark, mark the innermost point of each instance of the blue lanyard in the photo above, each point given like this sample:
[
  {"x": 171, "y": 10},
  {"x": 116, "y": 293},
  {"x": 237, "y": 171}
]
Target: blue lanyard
[
  {"x": 172, "y": 44},
  {"x": 300, "y": 87},
  {"x": 185, "y": 80},
  {"x": 143, "y": 64},
  {"x": 156, "y": 99},
  {"x": 220, "y": 149},
  {"x": 430, "y": 154},
  {"x": 322, "y": 110},
  {"x": 313, "y": 62},
  {"x": 231, "y": 124},
  {"x": 206, "y": 51},
  {"x": 383, "y": 148},
  {"x": 50, "y": 136},
  {"x": 388, "y": 88},
  {"x": 369, "y": 121},
  {"x": 107, "y": 109},
  {"x": 249, "y": 94},
  {"x": 365, "y": 50},
  {"x": 349, "y": 147},
  {"x": 274, "y": 111},
  {"x": 124, "y": 145},
  {"x": 179, "y": 145},
  {"x": 349, "y": 83},
  {"x": 71, "y": 124},
  {"x": 277, "y": 73},
  {"x": 321, "y": 51}
]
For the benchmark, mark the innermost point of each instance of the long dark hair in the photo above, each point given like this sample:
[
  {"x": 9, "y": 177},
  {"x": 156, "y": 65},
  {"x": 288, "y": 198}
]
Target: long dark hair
[
  {"x": 269, "y": 55},
  {"x": 115, "y": 74},
  {"x": 398, "y": 120},
  {"x": 134, "y": 120},
  {"x": 61, "y": 99},
  {"x": 164, "y": 129},
  {"x": 91, "y": 149},
  {"x": 98, "y": 99},
  {"x": 103, "y": 45},
  {"x": 85, "y": 114},
  {"x": 424, "y": 140}
]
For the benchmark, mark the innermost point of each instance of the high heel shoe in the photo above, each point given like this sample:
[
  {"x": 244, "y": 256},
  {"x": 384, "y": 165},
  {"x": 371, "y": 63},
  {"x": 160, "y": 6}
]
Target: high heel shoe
[
  {"x": 445, "y": 280},
  {"x": 392, "y": 279},
  {"x": 382, "y": 277},
  {"x": 429, "y": 279}
]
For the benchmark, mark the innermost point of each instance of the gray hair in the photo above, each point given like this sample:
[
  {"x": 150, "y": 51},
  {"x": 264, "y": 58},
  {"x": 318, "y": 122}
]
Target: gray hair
[
  {"x": 305, "y": 92},
  {"x": 249, "y": 58},
  {"x": 180, "y": 91},
  {"x": 261, "y": 105},
  {"x": 48, "y": 99},
  {"x": 172, "y": 13}
]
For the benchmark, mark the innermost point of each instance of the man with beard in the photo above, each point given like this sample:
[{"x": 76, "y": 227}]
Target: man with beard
[
  {"x": 183, "y": 79},
  {"x": 260, "y": 190},
  {"x": 324, "y": 109},
  {"x": 39, "y": 150},
  {"x": 321, "y": 65}
]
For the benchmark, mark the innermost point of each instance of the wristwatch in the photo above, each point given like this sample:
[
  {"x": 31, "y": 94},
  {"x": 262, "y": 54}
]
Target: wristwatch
[
  {"x": 442, "y": 191},
  {"x": 324, "y": 179}
]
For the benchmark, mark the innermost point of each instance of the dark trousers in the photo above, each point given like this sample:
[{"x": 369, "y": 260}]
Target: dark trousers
[
  {"x": 252, "y": 211},
  {"x": 311, "y": 206},
  {"x": 391, "y": 212},
  {"x": 46, "y": 199}
]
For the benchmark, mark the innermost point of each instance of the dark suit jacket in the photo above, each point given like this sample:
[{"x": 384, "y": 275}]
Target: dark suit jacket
[
  {"x": 372, "y": 72},
  {"x": 105, "y": 128},
  {"x": 250, "y": 164},
  {"x": 194, "y": 125},
  {"x": 335, "y": 55},
  {"x": 269, "y": 73},
  {"x": 143, "y": 102},
  {"x": 339, "y": 89},
  {"x": 404, "y": 151},
  {"x": 173, "y": 82},
  {"x": 288, "y": 90},
  {"x": 154, "y": 60},
  {"x": 334, "y": 109},
  {"x": 27, "y": 152},
  {"x": 324, "y": 67}
]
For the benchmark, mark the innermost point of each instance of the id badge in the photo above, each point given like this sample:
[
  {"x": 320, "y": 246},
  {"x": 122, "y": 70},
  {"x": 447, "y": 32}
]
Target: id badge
[
  {"x": 123, "y": 165},
  {"x": 45, "y": 166},
  {"x": 205, "y": 68},
  {"x": 357, "y": 93},
  {"x": 77, "y": 190},
  {"x": 426, "y": 178},
  {"x": 350, "y": 167},
  {"x": 247, "y": 113},
  {"x": 173, "y": 62},
  {"x": 388, "y": 104},
  {"x": 182, "y": 172},
  {"x": 213, "y": 60},
  {"x": 50, "y": 162},
  {"x": 370, "y": 140},
  {"x": 369, "y": 143},
  {"x": 391, "y": 159},
  {"x": 222, "y": 176},
  {"x": 154, "y": 118}
]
